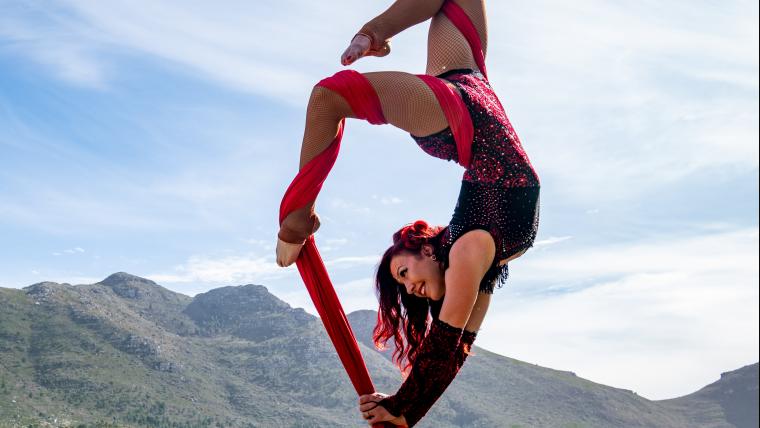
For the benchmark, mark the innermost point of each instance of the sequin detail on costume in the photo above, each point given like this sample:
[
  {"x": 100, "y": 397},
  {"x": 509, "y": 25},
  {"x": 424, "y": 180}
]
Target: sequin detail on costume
[
  {"x": 439, "y": 145},
  {"x": 500, "y": 190},
  {"x": 510, "y": 215},
  {"x": 498, "y": 157}
]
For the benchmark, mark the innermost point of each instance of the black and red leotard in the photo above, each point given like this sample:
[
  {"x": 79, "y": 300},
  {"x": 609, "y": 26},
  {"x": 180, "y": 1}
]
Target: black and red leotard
[{"x": 500, "y": 189}]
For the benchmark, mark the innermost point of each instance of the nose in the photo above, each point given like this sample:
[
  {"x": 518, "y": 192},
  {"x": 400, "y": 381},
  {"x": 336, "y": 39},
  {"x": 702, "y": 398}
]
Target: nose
[{"x": 409, "y": 287}]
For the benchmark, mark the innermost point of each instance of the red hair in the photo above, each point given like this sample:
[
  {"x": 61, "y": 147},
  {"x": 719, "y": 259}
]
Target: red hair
[{"x": 402, "y": 316}]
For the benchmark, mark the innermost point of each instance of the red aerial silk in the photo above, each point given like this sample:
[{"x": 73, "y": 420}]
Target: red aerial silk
[
  {"x": 459, "y": 18},
  {"x": 365, "y": 104}
]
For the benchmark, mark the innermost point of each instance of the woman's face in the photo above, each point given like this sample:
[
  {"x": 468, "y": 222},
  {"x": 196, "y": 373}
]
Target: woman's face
[{"x": 419, "y": 273}]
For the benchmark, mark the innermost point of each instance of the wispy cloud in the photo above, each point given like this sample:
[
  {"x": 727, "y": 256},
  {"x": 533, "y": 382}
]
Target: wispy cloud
[
  {"x": 333, "y": 244},
  {"x": 75, "y": 250},
  {"x": 243, "y": 45},
  {"x": 233, "y": 269},
  {"x": 633, "y": 61},
  {"x": 81, "y": 213},
  {"x": 552, "y": 240},
  {"x": 729, "y": 250},
  {"x": 388, "y": 200},
  {"x": 633, "y": 96},
  {"x": 346, "y": 205},
  {"x": 357, "y": 294},
  {"x": 353, "y": 261},
  {"x": 671, "y": 312}
]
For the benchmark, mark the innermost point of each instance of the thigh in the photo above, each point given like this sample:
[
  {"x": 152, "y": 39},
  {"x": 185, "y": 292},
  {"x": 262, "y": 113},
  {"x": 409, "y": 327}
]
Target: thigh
[
  {"x": 408, "y": 102},
  {"x": 447, "y": 47}
]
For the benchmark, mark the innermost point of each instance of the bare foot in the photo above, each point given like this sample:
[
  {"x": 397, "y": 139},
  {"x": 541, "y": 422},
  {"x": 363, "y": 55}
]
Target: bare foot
[
  {"x": 287, "y": 253},
  {"x": 287, "y": 250},
  {"x": 360, "y": 47}
]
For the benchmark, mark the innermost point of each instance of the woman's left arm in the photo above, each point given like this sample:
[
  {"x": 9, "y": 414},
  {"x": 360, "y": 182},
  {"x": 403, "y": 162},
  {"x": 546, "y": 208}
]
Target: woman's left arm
[{"x": 436, "y": 364}]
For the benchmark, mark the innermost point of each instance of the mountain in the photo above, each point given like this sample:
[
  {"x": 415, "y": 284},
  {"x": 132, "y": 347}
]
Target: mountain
[
  {"x": 127, "y": 352},
  {"x": 249, "y": 312},
  {"x": 733, "y": 397}
]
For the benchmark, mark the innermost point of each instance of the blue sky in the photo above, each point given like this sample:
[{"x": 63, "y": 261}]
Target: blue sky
[{"x": 157, "y": 138}]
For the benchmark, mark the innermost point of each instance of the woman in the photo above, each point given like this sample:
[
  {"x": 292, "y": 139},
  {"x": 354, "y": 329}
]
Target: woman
[{"x": 494, "y": 222}]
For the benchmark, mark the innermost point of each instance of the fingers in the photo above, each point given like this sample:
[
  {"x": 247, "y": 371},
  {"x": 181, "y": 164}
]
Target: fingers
[
  {"x": 367, "y": 407},
  {"x": 374, "y": 397},
  {"x": 376, "y": 415},
  {"x": 366, "y": 398},
  {"x": 372, "y": 412}
]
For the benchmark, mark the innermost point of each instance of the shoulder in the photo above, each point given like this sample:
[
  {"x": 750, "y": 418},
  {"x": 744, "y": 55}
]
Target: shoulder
[
  {"x": 472, "y": 254},
  {"x": 475, "y": 245},
  {"x": 470, "y": 258}
]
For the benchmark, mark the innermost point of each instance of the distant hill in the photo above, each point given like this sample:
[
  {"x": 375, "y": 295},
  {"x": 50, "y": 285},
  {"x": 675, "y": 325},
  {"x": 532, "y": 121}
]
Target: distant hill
[
  {"x": 734, "y": 396},
  {"x": 127, "y": 352}
]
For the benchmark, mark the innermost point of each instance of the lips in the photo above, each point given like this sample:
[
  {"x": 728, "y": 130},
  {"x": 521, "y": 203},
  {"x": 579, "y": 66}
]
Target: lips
[{"x": 422, "y": 290}]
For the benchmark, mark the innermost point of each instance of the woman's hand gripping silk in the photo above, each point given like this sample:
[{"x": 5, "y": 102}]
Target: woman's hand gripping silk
[{"x": 374, "y": 413}]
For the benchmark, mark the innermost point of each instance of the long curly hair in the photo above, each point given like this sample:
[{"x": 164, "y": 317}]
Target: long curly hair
[{"x": 402, "y": 316}]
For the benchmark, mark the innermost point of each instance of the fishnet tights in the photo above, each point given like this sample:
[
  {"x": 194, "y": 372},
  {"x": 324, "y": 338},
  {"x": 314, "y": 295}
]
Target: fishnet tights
[
  {"x": 407, "y": 102},
  {"x": 447, "y": 47}
]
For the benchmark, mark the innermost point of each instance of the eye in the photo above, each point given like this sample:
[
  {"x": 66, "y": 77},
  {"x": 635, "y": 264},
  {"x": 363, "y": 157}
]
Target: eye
[{"x": 402, "y": 272}]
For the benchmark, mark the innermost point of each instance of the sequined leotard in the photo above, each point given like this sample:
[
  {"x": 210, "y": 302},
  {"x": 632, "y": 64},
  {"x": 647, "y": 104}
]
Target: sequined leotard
[{"x": 500, "y": 190}]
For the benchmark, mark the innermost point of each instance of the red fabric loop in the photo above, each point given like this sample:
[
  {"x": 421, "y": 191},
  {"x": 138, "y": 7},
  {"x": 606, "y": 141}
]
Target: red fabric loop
[
  {"x": 456, "y": 114},
  {"x": 459, "y": 18},
  {"x": 305, "y": 187},
  {"x": 359, "y": 93}
]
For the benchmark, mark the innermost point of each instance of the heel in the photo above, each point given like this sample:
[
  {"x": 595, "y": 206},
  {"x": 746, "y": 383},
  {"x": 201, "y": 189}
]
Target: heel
[{"x": 293, "y": 231}]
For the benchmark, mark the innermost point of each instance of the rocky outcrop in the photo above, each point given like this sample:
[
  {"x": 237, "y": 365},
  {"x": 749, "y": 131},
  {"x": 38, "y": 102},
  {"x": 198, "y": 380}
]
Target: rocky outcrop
[{"x": 247, "y": 311}]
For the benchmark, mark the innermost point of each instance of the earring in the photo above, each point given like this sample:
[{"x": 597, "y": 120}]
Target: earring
[{"x": 434, "y": 258}]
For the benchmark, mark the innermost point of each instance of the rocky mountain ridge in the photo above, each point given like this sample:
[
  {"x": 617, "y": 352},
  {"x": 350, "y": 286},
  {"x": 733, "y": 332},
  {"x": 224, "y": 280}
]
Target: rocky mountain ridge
[{"x": 127, "y": 352}]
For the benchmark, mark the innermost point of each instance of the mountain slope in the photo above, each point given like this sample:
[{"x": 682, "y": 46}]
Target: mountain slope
[
  {"x": 127, "y": 352},
  {"x": 734, "y": 398}
]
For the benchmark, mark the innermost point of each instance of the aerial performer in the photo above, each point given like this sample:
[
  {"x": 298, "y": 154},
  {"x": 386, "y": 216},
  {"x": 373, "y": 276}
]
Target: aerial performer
[{"x": 434, "y": 282}]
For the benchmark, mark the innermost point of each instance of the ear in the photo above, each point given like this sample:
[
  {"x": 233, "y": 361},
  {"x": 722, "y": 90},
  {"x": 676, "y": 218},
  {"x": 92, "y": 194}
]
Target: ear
[{"x": 427, "y": 250}]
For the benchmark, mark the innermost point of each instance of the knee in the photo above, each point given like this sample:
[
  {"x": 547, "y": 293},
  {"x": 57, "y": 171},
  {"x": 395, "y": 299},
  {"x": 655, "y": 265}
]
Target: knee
[
  {"x": 322, "y": 95},
  {"x": 328, "y": 102}
]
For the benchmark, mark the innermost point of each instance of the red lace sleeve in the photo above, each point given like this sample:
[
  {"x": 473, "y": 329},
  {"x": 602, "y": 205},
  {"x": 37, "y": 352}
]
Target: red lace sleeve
[{"x": 438, "y": 362}]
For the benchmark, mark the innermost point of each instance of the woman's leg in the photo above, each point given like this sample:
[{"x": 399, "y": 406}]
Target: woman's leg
[
  {"x": 447, "y": 47},
  {"x": 407, "y": 103}
]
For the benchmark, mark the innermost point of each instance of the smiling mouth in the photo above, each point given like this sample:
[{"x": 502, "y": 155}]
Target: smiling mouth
[{"x": 422, "y": 290}]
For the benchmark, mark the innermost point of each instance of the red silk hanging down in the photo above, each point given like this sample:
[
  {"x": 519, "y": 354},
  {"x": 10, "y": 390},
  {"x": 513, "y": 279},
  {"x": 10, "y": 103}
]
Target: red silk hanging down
[
  {"x": 363, "y": 100},
  {"x": 365, "y": 104}
]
